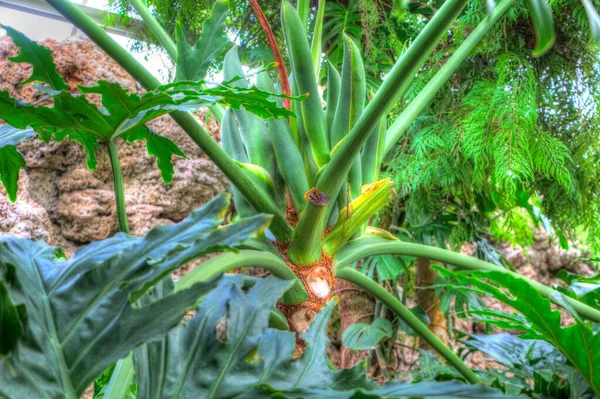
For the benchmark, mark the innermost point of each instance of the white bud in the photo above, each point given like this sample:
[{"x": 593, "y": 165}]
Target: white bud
[{"x": 318, "y": 284}]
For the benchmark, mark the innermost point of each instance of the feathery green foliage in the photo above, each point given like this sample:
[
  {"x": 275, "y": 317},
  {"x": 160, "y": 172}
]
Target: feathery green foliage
[{"x": 508, "y": 136}]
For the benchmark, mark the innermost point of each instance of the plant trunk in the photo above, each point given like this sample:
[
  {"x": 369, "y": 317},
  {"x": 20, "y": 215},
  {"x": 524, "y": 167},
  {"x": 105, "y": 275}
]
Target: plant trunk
[
  {"x": 356, "y": 306},
  {"x": 428, "y": 300}
]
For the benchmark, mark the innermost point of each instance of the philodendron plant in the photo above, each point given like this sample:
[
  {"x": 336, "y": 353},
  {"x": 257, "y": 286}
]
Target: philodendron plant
[{"x": 314, "y": 170}]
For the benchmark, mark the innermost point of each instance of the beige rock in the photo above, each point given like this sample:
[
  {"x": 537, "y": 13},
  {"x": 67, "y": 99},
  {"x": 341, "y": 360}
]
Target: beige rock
[{"x": 62, "y": 201}]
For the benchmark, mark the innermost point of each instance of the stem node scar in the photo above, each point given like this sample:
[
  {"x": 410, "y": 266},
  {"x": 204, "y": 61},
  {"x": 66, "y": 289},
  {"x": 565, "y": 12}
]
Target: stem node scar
[{"x": 317, "y": 198}]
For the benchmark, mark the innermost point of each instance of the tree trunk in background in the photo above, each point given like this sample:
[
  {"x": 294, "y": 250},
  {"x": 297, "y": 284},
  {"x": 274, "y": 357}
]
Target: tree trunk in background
[
  {"x": 356, "y": 306},
  {"x": 427, "y": 299}
]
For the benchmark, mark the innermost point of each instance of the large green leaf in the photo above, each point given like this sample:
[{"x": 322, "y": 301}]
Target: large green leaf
[
  {"x": 80, "y": 316},
  {"x": 526, "y": 361},
  {"x": 249, "y": 360},
  {"x": 193, "y": 62},
  {"x": 198, "y": 364},
  {"x": 362, "y": 336},
  {"x": 396, "y": 390},
  {"x": 11, "y": 161},
  {"x": 577, "y": 342}
]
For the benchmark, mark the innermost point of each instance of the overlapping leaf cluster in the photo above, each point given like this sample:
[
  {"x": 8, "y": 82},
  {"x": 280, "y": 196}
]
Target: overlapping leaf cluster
[
  {"x": 579, "y": 342},
  {"x": 65, "y": 320},
  {"x": 253, "y": 361}
]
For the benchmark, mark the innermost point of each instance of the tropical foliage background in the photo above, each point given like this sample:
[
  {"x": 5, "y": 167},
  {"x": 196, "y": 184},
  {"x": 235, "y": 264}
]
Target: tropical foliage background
[{"x": 507, "y": 147}]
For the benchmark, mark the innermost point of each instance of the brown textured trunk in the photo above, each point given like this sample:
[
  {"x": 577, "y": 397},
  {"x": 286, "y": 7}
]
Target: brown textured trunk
[
  {"x": 356, "y": 306},
  {"x": 427, "y": 299}
]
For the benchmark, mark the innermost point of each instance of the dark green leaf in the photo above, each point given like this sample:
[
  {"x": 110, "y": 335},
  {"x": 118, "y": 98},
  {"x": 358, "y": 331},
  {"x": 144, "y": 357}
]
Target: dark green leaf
[
  {"x": 193, "y": 62},
  {"x": 160, "y": 147},
  {"x": 11, "y": 323},
  {"x": 253, "y": 361},
  {"x": 11, "y": 161},
  {"x": 225, "y": 369},
  {"x": 402, "y": 390},
  {"x": 80, "y": 317},
  {"x": 361, "y": 336},
  {"x": 197, "y": 363},
  {"x": 543, "y": 24},
  {"x": 39, "y": 57}
]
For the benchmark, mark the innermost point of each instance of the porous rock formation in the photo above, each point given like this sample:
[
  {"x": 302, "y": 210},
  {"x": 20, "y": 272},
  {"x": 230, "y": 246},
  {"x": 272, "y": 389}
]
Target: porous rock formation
[{"x": 63, "y": 202}]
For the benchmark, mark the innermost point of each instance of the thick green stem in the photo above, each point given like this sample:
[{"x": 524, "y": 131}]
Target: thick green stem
[
  {"x": 409, "y": 318},
  {"x": 234, "y": 260},
  {"x": 260, "y": 200},
  {"x": 305, "y": 248},
  {"x": 113, "y": 154},
  {"x": 157, "y": 30},
  {"x": 121, "y": 379},
  {"x": 427, "y": 94},
  {"x": 453, "y": 258},
  {"x": 335, "y": 173},
  {"x": 317, "y": 47}
]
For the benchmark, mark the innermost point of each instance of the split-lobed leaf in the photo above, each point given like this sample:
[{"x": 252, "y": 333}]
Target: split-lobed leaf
[
  {"x": 193, "y": 62},
  {"x": 81, "y": 312}
]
